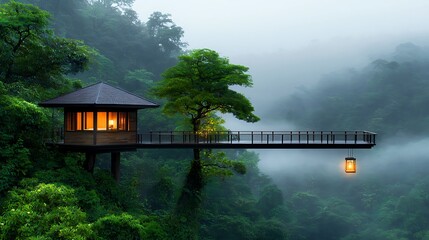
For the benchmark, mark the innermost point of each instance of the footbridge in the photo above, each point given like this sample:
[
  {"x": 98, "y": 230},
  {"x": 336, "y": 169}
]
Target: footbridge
[{"x": 258, "y": 139}]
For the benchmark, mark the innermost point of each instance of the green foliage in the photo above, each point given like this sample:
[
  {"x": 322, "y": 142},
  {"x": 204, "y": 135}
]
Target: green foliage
[
  {"x": 161, "y": 193},
  {"x": 24, "y": 124},
  {"x": 271, "y": 198},
  {"x": 15, "y": 164},
  {"x": 45, "y": 211},
  {"x": 119, "y": 227},
  {"x": 97, "y": 194},
  {"x": 199, "y": 85},
  {"x": 217, "y": 164},
  {"x": 31, "y": 52},
  {"x": 24, "y": 120},
  {"x": 125, "y": 227},
  {"x": 165, "y": 33},
  {"x": 228, "y": 227},
  {"x": 270, "y": 229}
]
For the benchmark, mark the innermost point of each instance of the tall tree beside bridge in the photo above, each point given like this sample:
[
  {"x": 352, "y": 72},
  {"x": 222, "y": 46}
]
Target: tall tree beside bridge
[{"x": 198, "y": 87}]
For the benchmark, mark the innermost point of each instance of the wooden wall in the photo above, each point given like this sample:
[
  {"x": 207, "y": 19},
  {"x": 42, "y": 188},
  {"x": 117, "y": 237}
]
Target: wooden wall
[
  {"x": 79, "y": 137},
  {"x": 102, "y": 137},
  {"x": 116, "y": 137}
]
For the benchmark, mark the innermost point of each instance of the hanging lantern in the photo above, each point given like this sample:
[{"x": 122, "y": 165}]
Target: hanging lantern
[{"x": 350, "y": 166}]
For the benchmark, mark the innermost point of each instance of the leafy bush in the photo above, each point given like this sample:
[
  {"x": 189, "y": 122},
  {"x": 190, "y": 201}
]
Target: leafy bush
[{"x": 45, "y": 211}]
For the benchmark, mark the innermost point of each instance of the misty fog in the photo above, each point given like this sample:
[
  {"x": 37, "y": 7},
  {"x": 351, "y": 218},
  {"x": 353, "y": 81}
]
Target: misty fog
[{"x": 289, "y": 46}]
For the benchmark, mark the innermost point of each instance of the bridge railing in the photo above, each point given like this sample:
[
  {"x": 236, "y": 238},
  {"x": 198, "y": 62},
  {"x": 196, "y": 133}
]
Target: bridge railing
[{"x": 257, "y": 137}]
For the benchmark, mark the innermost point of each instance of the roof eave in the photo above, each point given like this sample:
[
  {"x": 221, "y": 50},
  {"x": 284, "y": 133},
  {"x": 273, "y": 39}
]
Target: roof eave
[{"x": 72, "y": 105}]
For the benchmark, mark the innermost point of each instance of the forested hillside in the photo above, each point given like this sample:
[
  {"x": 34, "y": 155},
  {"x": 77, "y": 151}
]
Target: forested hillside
[{"x": 46, "y": 193}]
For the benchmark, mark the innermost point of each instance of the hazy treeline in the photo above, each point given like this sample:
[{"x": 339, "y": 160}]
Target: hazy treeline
[{"x": 388, "y": 97}]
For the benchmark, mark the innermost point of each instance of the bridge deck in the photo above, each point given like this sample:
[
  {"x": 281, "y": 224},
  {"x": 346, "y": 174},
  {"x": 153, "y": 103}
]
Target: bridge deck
[
  {"x": 241, "y": 140},
  {"x": 258, "y": 139}
]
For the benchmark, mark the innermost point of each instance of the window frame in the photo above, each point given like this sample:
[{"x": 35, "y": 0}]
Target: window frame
[{"x": 73, "y": 117}]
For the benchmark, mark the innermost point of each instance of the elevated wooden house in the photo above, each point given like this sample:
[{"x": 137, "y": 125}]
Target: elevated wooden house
[
  {"x": 99, "y": 115},
  {"x": 100, "y": 118}
]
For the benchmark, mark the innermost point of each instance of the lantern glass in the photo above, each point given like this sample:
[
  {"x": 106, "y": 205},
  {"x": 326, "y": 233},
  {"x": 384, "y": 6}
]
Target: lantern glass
[{"x": 350, "y": 166}]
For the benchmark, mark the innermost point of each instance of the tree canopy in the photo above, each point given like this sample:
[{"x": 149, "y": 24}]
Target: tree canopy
[
  {"x": 30, "y": 51},
  {"x": 199, "y": 85}
]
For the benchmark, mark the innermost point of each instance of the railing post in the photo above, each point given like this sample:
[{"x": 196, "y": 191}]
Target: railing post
[
  {"x": 268, "y": 138},
  {"x": 299, "y": 136},
  {"x": 238, "y": 136},
  {"x": 291, "y": 138},
  {"x": 307, "y": 137},
  {"x": 356, "y": 133},
  {"x": 345, "y": 137},
  {"x": 321, "y": 136},
  {"x": 282, "y": 137},
  {"x": 252, "y": 136}
]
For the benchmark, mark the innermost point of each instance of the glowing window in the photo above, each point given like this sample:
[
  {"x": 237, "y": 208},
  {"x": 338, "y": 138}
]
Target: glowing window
[
  {"x": 122, "y": 123},
  {"x": 78, "y": 121},
  {"x": 88, "y": 121},
  {"x": 113, "y": 120},
  {"x": 102, "y": 121},
  {"x": 84, "y": 121}
]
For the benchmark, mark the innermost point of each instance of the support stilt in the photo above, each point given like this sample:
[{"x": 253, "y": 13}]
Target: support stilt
[
  {"x": 89, "y": 161},
  {"x": 115, "y": 165}
]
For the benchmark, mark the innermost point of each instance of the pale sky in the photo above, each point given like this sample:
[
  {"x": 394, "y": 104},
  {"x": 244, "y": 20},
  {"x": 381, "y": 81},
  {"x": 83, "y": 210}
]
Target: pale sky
[
  {"x": 236, "y": 26},
  {"x": 289, "y": 44}
]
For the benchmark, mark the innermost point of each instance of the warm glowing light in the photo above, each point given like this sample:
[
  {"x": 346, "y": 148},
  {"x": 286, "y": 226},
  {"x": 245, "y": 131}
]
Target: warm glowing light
[
  {"x": 113, "y": 118},
  {"x": 101, "y": 121},
  {"x": 350, "y": 166}
]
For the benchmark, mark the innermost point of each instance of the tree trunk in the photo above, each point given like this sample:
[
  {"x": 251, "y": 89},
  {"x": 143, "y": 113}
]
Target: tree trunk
[{"x": 188, "y": 206}]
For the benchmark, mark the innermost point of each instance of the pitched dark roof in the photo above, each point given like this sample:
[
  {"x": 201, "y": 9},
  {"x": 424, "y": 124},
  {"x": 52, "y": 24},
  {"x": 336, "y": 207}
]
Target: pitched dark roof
[{"x": 99, "y": 95}]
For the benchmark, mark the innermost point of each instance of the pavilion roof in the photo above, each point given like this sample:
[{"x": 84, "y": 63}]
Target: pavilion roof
[{"x": 99, "y": 95}]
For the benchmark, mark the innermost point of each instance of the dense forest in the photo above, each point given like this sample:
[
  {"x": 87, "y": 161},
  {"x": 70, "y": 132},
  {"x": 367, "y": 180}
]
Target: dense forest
[{"x": 46, "y": 194}]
